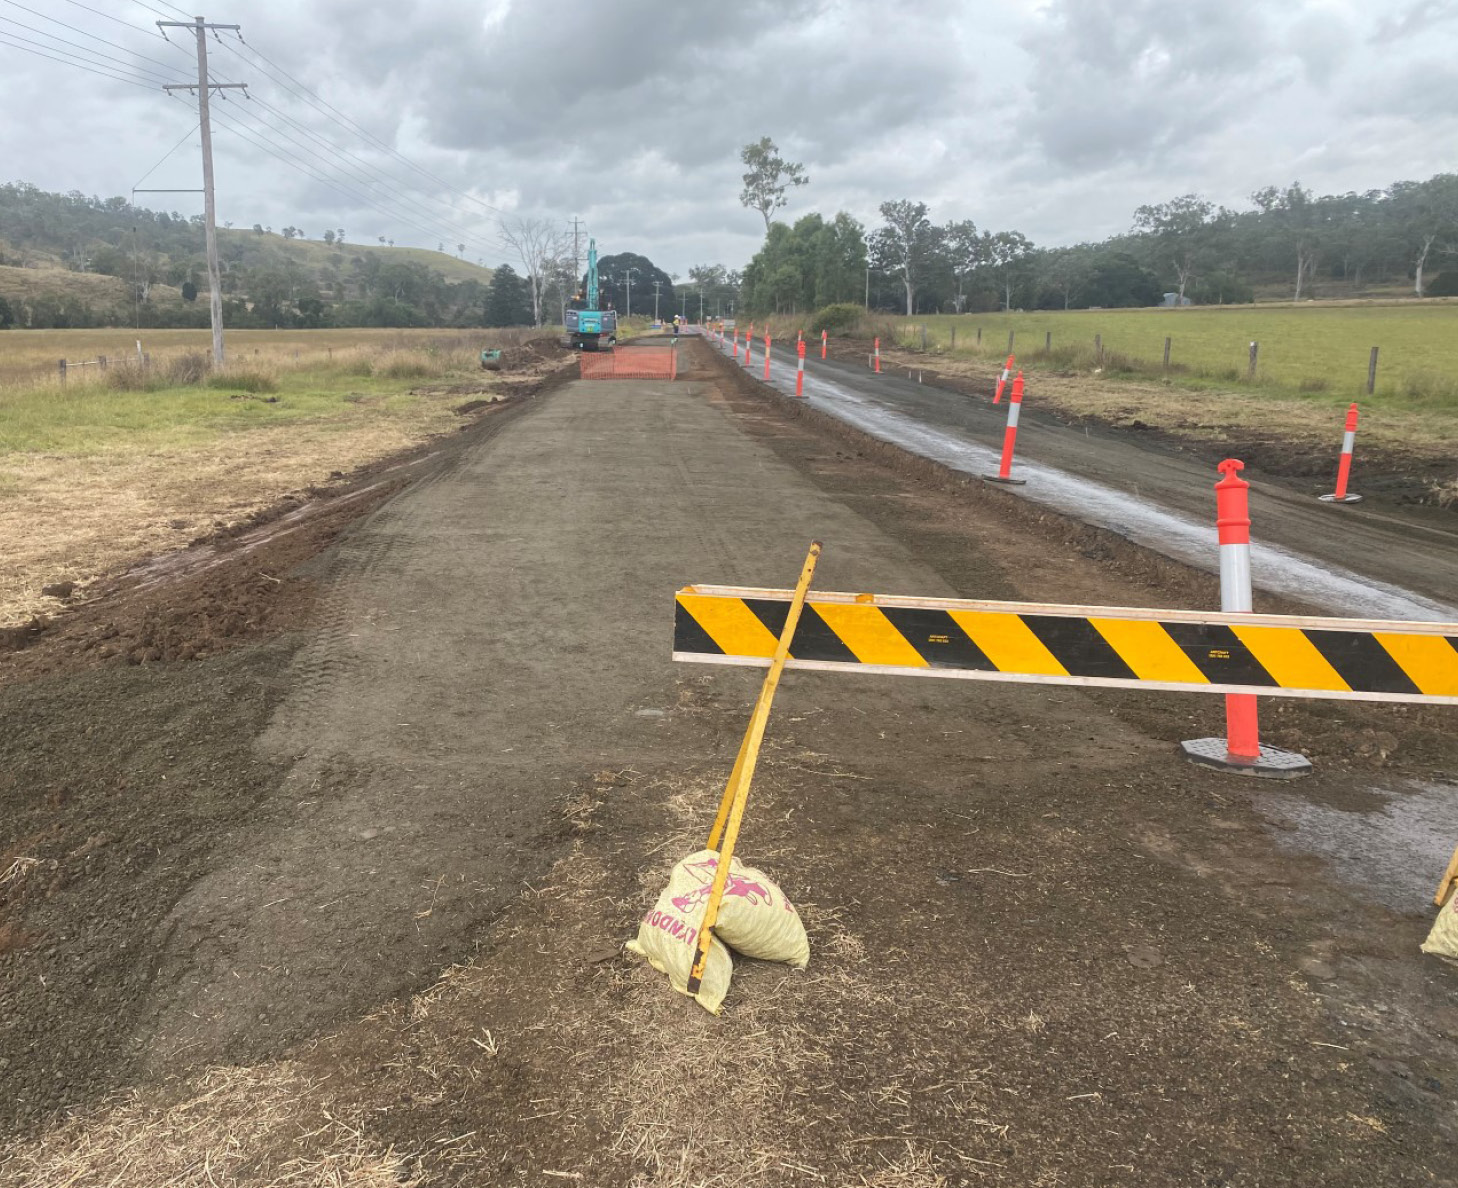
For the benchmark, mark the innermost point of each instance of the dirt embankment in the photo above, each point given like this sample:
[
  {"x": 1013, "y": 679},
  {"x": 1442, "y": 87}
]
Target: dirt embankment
[{"x": 1044, "y": 950}]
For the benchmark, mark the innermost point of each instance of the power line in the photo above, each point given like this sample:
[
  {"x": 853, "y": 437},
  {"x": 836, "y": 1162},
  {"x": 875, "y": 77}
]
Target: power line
[
  {"x": 251, "y": 136},
  {"x": 79, "y": 66},
  {"x": 84, "y": 33},
  {"x": 411, "y": 213},
  {"x": 329, "y": 111},
  {"x": 165, "y": 155},
  {"x": 118, "y": 20},
  {"x": 324, "y": 107},
  {"x": 362, "y": 171},
  {"x": 136, "y": 72}
]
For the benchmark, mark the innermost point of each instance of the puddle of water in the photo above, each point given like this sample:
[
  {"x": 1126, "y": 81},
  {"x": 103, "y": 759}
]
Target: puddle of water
[
  {"x": 1274, "y": 569},
  {"x": 1393, "y": 855}
]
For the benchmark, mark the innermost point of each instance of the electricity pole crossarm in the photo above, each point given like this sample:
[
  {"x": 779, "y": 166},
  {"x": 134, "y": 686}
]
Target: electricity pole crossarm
[{"x": 210, "y": 212}]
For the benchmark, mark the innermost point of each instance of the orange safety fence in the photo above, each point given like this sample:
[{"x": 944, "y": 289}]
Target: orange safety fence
[{"x": 630, "y": 363}]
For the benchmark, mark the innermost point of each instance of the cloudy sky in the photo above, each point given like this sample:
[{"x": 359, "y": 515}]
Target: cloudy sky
[{"x": 415, "y": 119}]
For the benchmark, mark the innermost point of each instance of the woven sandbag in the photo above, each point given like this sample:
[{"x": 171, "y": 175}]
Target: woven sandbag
[{"x": 1443, "y": 939}]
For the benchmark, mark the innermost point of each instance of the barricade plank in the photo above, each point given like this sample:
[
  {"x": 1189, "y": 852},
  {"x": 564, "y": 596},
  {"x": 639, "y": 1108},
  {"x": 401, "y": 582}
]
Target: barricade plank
[{"x": 1215, "y": 652}]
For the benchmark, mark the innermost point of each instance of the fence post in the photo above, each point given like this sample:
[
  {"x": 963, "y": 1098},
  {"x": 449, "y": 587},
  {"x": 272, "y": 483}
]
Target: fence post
[
  {"x": 979, "y": 337},
  {"x": 923, "y": 337},
  {"x": 101, "y": 362},
  {"x": 1099, "y": 349},
  {"x": 1255, "y": 350},
  {"x": 1166, "y": 354},
  {"x": 954, "y": 338},
  {"x": 62, "y": 365},
  {"x": 1048, "y": 343},
  {"x": 1372, "y": 372},
  {"x": 1010, "y": 334}
]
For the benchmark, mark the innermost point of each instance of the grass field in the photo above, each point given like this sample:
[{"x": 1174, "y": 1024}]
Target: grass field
[
  {"x": 1318, "y": 350},
  {"x": 115, "y": 466},
  {"x": 28, "y": 357}
]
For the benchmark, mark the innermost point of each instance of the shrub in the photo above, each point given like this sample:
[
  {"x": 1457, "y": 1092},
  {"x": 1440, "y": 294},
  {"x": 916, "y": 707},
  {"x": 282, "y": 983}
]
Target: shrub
[
  {"x": 409, "y": 367},
  {"x": 189, "y": 369},
  {"x": 128, "y": 375},
  {"x": 243, "y": 381},
  {"x": 840, "y": 318},
  {"x": 1429, "y": 387}
]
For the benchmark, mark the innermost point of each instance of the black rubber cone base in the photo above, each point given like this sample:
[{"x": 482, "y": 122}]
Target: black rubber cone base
[
  {"x": 1343, "y": 499},
  {"x": 1008, "y": 482},
  {"x": 1273, "y": 763}
]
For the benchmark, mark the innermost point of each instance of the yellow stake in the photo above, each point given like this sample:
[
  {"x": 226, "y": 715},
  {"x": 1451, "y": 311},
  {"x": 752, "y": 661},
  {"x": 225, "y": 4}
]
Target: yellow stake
[{"x": 731, "y": 808}]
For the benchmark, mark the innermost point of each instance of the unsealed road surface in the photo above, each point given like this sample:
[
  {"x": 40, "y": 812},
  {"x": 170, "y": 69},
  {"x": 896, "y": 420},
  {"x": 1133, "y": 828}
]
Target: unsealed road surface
[{"x": 1044, "y": 949}]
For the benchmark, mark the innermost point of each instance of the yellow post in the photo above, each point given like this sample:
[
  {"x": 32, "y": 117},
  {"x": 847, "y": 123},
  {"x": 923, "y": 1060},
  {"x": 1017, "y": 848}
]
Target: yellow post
[
  {"x": 1450, "y": 876},
  {"x": 731, "y": 807}
]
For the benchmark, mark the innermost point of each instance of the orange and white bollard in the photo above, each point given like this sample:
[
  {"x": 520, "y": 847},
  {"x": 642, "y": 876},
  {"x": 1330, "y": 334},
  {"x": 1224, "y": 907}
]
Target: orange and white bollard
[
  {"x": 749, "y": 344},
  {"x": 1240, "y": 751},
  {"x": 800, "y": 369},
  {"x": 1002, "y": 380},
  {"x": 1010, "y": 438},
  {"x": 1344, "y": 467},
  {"x": 766, "y": 355},
  {"x": 876, "y": 358},
  {"x": 824, "y": 339},
  {"x": 736, "y": 344}
]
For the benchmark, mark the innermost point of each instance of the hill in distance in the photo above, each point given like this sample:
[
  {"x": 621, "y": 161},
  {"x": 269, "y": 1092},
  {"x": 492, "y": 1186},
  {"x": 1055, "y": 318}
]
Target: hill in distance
[{"x": 73, "y": 260}]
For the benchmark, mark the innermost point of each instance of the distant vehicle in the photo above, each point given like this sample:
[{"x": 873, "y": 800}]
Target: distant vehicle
[{"x": 590, "y": 328}]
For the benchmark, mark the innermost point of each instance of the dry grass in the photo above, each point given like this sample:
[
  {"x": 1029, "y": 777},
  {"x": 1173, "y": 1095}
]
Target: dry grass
[
  {"x": 30, "y": 356},
  {"x": 1446, "y": 494},
  {"x": 136, "y": 462},
  {"x": 266, "y": 1127}
]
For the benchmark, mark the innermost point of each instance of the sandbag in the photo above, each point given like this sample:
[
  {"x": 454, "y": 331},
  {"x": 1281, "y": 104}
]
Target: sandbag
[
  {"x": 668, "y": 939},
  {"x": 754, "y": 917},
  {"x": 1443, "y": 939}
]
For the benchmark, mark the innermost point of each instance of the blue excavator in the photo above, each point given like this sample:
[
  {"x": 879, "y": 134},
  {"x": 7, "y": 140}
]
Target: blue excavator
[{"x": 589, "y": 327}]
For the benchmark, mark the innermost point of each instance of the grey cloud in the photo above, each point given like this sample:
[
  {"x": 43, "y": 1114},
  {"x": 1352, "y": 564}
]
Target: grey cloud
[
  {"x": 1120, "y": 79},
  {"x": 1057, "y": 118},
  {"x": 1416, "y": 18}
]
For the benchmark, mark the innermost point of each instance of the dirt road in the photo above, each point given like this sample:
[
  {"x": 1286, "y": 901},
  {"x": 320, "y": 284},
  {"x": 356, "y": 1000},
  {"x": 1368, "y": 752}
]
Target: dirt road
[
  {"x": 1159, "y": 495},
  {"x": 389, "y": 858}
]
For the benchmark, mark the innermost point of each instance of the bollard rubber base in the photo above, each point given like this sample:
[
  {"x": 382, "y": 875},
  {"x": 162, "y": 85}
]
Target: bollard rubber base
[
  {"x": 1009, "y": 482},
  {"x": 1273, "y": 763},
  {"x": 1343, "y": 499}
]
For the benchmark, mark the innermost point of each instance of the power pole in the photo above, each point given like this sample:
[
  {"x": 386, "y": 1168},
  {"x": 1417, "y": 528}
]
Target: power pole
[
  {"x": 657, "y": 288},
  {"x": 628, "y": 273},
  {"x": 210, "y": 211}
]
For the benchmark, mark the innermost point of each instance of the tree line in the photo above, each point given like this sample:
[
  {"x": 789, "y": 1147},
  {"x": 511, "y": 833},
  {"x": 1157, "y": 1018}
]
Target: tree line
[{"x": 1289, "y": 244}]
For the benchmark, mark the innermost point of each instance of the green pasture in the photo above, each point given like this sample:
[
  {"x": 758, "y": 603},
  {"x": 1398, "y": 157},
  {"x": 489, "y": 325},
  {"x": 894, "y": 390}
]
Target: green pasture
[{"x": 1321, "y": 350}]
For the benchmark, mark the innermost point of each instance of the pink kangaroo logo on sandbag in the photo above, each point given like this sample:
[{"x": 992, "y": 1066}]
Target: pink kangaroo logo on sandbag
[{"x": 756, "y": 893}]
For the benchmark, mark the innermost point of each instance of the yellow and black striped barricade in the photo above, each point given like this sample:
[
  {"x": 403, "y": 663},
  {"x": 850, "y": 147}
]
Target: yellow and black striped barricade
[{"x": 1113, "y": 647}]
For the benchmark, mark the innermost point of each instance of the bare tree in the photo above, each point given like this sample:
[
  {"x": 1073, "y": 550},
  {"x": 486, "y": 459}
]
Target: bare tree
[{"x": 539, "y": 243}]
